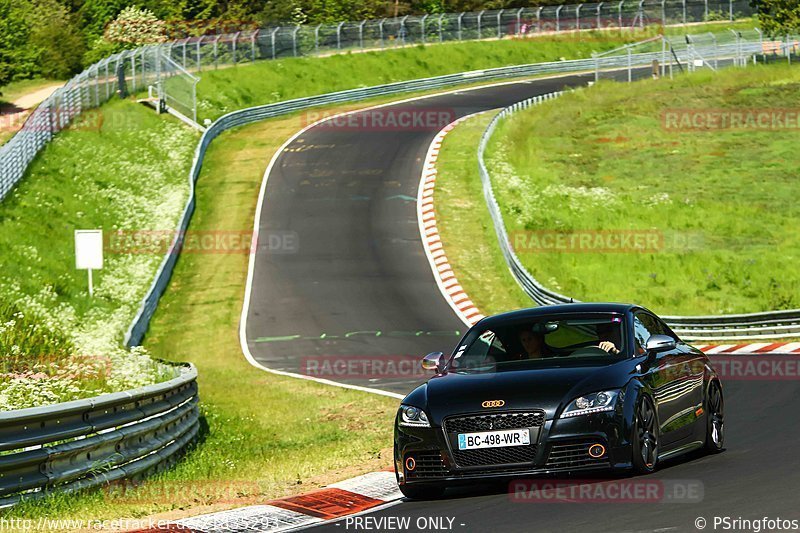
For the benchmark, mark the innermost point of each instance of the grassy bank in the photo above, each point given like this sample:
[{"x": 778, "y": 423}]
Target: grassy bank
[
  {"x": 267, "y": 82},
  {"x": 124, "y": 169},
  {"x": 609, "y": 160}
]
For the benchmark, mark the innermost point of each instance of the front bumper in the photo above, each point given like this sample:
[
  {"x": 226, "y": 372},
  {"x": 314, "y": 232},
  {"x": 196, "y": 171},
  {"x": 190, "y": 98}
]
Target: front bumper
[{"x": 557, "y": 446}]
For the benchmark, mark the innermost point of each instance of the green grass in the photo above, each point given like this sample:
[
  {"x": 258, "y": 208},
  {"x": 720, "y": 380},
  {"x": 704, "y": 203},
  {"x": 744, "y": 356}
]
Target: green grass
[
  {"x": 263, "y": 436},
  {"x": 722, "y": 201},
  {"x": 124, "y": 168},
  {"x": 265, "y": 82}
]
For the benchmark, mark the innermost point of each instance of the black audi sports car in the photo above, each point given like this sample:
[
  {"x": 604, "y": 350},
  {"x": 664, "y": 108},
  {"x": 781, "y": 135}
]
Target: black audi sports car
[{"x": 561, "y": 388}]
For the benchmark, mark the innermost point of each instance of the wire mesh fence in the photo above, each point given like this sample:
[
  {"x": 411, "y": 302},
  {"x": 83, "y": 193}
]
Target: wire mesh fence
[{"x": 169, "y": 69}]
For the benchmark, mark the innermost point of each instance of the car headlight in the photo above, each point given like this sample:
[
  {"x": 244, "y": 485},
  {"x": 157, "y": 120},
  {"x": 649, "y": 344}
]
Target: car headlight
[
  {"x": 595, "y": 402},
  {"x": 413, "y": 416}
]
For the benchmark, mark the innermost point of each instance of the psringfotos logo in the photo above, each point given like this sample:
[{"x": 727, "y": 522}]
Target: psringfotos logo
[{"x": 607, "y": 491}]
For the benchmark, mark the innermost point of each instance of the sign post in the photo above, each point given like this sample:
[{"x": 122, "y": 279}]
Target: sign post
[{"x": 89, "y": 252}]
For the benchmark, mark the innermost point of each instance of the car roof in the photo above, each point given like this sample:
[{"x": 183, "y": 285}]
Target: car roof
[{"x": 546, "y": 310}]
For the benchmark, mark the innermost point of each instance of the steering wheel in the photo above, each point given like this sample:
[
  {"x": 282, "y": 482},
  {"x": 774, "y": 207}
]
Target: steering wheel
[{"x": 586, "y": 351}]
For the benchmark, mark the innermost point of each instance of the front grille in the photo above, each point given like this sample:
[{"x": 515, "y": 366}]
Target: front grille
[
  {"x": 429, "y": 465},
  {"x": 574, "y": 455},
  {"x": 495, "y": 456},
  {"x": 494, "y": 421}
]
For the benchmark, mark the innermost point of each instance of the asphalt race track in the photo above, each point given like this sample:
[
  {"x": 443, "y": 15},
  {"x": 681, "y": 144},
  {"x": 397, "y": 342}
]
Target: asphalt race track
[{"x": 353, "y": 281}]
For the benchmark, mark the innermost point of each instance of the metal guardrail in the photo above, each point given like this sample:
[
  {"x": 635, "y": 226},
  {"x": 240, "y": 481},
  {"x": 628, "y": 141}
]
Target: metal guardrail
[
  {"x": 767, "y": 325},
  {"x": 87, "y": 443}
]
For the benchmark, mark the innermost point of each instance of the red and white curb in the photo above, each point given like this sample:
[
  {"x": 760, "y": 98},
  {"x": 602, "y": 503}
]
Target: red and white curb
[
  {"x": 751, "y": 348},
  {"x": 336, "y": 501},
  {"x": 426, "y": 216}
]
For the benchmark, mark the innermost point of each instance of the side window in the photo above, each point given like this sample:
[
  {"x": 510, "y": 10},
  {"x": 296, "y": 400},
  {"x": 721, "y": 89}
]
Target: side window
[{"x": 644, "y": 326}]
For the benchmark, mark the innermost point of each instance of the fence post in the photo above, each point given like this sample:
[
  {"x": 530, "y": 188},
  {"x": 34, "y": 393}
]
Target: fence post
[
  {"x": 519, "y": 19},
  {"x": 630, "y": 65},
  {"x": 706, "y": 15},
  {"x": 578, "y": 16},
  {"x": 233, "y": 49},
  {"x": 216, "y": 51},
  {"x": 599, "y": 9},
  {"x": 403, "y": 29},
  {"x": 294, "y": 40},
  {"x": 684, "y": 11},
  {"x": 621, "y": 3},
  {"x": 272, "y": 38},
  {"x": 422, "y": 24},
  {"x": 316, "y": 38},
  {"x": 361, "y": 34},
  {"x": 380, "y": 29},
  {"x": 640, "y": 14},
  {"x": 252, "y": 45},
  {"x": 663, "y": 13},
  {"x": 558, "y": 17},
  {"x": 499, "y": 22},
  {"x": 480, "y": 14},
  {"x": 730, "y": 10},
  {"x": 199, "y": 63},
  {"x": 441, "y": 37},
  {"x": 460, "y": 16},
  {"x": 539, "y": 19}
]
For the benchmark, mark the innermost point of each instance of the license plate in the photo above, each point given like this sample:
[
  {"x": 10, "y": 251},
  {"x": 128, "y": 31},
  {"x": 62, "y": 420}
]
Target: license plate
[{"x": 494, "y": 439}]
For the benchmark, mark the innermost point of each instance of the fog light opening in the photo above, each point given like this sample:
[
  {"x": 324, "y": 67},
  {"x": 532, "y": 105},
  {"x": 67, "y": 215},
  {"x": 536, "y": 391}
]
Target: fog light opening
[
  {"x": 411, "y": 464},
  {"x": 596, "y": 451}
]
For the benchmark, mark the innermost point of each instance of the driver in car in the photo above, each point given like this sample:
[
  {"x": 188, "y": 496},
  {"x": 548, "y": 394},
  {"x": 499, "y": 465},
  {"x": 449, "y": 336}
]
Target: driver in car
[
  {"x": 532, "y": 344},
  {"x": 609, "y": 333}
]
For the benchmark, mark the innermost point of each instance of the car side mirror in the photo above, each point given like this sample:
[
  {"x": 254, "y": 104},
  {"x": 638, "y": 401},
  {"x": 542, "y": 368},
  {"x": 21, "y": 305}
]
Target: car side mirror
[
  {"x": 433, "y": 361},
  {"x": 659, "y": 343}
]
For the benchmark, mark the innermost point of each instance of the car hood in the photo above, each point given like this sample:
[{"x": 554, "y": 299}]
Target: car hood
[{"x": 524, "y": 388}]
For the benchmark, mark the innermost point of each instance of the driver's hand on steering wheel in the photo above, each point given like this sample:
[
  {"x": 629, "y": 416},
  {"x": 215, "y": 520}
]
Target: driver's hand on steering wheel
[{"x": 609, "y": 347}]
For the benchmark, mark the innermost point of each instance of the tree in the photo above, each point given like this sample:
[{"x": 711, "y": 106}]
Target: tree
[
  {"x": 17, "y": 58},
  {"x": 778, "y": 17}
]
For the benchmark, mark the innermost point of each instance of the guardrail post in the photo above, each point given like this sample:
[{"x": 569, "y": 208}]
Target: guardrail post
[
  {"x": 558, "y": 17},
  {"x": 294, "y": 40},
  {"x": 499, "y": 22}
]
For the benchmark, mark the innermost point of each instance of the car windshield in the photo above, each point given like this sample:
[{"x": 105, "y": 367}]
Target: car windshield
[{"x": 548, "y": 340}]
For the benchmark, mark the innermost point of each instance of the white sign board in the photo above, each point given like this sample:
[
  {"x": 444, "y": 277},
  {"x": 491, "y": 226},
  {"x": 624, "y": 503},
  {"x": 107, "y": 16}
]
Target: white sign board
[{"x": 89, "y": 249}]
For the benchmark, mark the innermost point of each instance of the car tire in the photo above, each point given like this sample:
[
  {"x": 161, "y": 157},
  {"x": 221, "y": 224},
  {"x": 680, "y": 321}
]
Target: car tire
[
  {"x": 422, "y": 492},
  {"x": 645, "y": 437},
  {"x": 715, "y": 422}
]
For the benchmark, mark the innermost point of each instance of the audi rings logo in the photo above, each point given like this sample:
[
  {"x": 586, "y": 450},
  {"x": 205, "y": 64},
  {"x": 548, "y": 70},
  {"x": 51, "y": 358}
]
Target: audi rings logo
[{"x": 493, "y": 403}]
